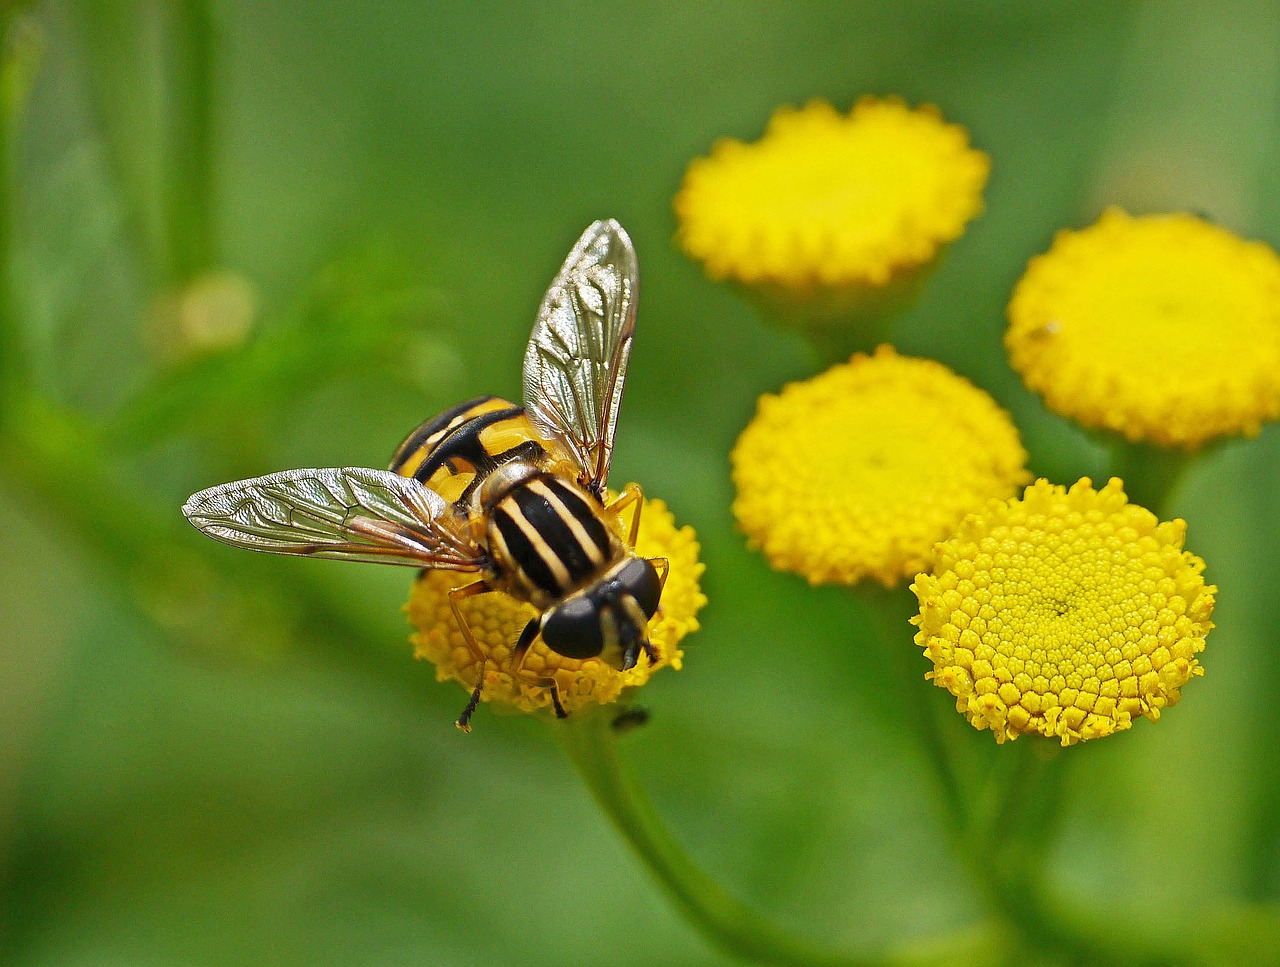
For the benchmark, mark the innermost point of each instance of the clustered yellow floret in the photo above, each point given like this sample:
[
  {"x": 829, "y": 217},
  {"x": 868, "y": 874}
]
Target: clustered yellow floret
[
  {"x": 1164, "y": 328},
  {"x": 828, "y": 199},
  {"x": 857, "y": 472},
  {"x": 497, "y": 619},
  {"x": 1064, "y": 613}
]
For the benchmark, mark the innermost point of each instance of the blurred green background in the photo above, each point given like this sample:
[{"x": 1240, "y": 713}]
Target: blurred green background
[{"x": 211, "y": 758}]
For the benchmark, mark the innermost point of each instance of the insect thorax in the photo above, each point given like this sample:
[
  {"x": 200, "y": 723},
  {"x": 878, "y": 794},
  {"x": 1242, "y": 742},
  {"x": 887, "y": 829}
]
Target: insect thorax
[{"x": 546, "y": 536}]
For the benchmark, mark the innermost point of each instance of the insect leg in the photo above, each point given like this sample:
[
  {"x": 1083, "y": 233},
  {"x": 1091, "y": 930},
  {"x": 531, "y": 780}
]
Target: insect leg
[
  {"x": 631, "y": 494},
  {"x": 555, "y": 699},
  {"x": 518, "y": 654},
  {"x": 464, "y": 720},
  {"x": 523, "y": 642},
  {"x": 457, "y": 594},
  {"x": 662, "y": 565}
]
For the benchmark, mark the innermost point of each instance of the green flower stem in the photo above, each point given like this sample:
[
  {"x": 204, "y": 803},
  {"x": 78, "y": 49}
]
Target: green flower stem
[
  {"x": 21, "y": 50},
  {"x": 1150, "y": 473},
  {"x": 832, "y": 344},
  {"x": 1006, "y": 847},
  {"x": 1012, "y": 835},
  {"x": 833, "y": 331},
  {"x": 890, "y": 610},
  {"x": 839, "y": 321},
  {"x": 188, "y": 189},
  {"x": 1004, "y": 829},
  {"x": 13, "y": 357},
  {"x": 588, "y": 740}
]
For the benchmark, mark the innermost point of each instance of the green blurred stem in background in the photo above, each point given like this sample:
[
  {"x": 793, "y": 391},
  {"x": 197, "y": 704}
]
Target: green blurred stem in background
[
  {"x": 22, "y": 47},
  {"x": 1151, "y": 474},
  {"x": 190, "y": 231},
  {"x": 832, "y": 328},
  {"x": 831, "y": 345},
  {"x": 890, "y": 610},
  {"x": 1004, "y": 802},
  {"x": 986, "y": 794},
  {"x": 838, "y": 321},
  {"x": 592, "y": 746}
]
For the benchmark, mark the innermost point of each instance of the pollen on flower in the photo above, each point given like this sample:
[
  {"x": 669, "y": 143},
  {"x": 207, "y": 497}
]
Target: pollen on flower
[
  {"x": 826, "y": 199},
  {"x": 1164, "y": 328},
  {"x": 858, "y": 472},
  {"x": 1064, "y": 613},
  {"x": 496, "y": 620}
]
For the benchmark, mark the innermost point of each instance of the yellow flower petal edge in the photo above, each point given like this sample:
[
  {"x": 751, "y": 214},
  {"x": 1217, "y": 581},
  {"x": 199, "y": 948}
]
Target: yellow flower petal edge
[
  {"x": 1163, "y": 328},
  {"x": 858, "y": 472},
  {"x": 1064, "y": 613},
  {"x": 497, "y": 620},
  {"x": 826, "y": 199}
]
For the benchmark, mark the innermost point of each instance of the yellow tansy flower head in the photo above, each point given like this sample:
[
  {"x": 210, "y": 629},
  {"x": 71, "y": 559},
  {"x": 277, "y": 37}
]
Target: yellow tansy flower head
[
  {"x": 1165, "y": 329},
  {"x": 497, "y": 621},
  {"x": 1064, "y": 613},
  {"x": 859, "y": 471},
  {"x": 826, "y": 200}
]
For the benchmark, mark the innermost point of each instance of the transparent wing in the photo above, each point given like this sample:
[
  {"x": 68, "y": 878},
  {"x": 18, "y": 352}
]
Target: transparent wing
[
  {"x": 348, "y": 513},
  {"x": 576, "y": 363}
]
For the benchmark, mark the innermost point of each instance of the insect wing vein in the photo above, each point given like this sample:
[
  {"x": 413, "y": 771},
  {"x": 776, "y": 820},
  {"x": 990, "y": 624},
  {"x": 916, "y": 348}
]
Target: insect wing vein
[
  {"x": 351, "y": 513},
  {"x": 576, "y": 363}
]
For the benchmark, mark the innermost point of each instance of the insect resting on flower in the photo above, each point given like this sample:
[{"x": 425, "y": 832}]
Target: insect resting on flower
[{"x": 513, "y": 493}]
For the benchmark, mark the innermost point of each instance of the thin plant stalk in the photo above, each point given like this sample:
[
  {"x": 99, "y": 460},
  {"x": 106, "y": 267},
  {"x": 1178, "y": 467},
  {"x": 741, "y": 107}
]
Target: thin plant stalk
[
  {"x": 592, "y": 747},
  {"x": 189, "y": 187}
]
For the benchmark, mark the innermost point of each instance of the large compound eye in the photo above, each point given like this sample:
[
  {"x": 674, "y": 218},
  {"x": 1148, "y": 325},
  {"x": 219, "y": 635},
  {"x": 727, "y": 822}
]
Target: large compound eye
[
  {"x": 639, "y": 578},
  {"x": 572, "y": 628}
]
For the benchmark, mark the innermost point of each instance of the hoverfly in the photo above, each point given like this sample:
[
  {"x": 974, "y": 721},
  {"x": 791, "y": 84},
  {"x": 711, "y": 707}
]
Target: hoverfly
[{"x": 513, "y": 493}]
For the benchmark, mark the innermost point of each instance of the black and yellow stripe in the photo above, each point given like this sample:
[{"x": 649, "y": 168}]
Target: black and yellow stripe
[
  {"x": 474, "y": 438},
  {"x": 418, "y": 445},
  {"x": 549, "y": 534}
]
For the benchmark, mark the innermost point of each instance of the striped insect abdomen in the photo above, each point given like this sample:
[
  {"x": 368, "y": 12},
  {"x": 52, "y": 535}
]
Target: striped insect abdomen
[{"x": 549, "y": 539}]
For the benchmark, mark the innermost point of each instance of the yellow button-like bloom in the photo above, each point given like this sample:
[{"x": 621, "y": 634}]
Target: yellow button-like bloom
[
  {"x": 859, "y": 471},
  {"x": 497, "y": 620},
  {"x": 1165, "y": 329},
  {"x": 1064, "y": 613},
  {"x": 826, "y": 199}
]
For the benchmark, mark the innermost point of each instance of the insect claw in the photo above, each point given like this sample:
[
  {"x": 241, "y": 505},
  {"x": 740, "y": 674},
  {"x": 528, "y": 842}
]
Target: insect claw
[
  {"x": 555, "y": 701},
  {"x": 464, "y": 720}
]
